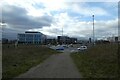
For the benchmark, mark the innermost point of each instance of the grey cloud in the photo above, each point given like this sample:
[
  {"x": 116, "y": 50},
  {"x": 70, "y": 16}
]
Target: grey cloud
[
  {"x": 105, "y": 32},
  {"x": 18, "y": 17},
  {"x": 10, "y": 33},
  {"x": 18, "y": 21},
  {"x": 55, "y": 31}
]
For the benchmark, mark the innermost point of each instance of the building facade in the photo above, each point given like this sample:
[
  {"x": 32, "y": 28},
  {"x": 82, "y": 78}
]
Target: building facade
[
  {"x": 4, "y": 40},
  {"x": 31, "y": 38},
  {"x": 66, "y": 40},
  {"x": 51, "y": 41}
]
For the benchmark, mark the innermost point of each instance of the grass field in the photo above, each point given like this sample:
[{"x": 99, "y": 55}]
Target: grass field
[
  {"x": 20, "y": 59},
  {"x": 100, "y": 61}
]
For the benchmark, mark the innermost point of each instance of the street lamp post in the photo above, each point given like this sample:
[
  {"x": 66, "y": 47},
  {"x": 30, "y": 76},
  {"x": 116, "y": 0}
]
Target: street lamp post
[
  {"x": 62, "y": 36},
  {"x": 62, "y": 31},
  {"x": 93, "y": 30}
]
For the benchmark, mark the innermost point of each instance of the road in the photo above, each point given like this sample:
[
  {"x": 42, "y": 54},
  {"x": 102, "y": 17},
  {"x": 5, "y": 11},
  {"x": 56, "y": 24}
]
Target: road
[{"x": 56, "y": 66}]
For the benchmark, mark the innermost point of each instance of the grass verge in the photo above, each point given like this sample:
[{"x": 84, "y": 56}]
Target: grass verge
[
  {"x": 100, "y": 61},
  {"x": 19, "y": 60}
]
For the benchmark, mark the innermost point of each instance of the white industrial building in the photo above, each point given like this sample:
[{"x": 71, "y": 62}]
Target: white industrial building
[{"x": 31, "y": 37}]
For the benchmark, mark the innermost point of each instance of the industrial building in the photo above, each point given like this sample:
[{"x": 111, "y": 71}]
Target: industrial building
[
  {"x": 30, "y": 37},
  {"x": 66, "y": 40},
  {"x": 51, "y": 41}
]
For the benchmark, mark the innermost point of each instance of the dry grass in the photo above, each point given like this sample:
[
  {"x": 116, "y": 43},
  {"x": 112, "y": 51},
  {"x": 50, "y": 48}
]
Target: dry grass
[
  {"x": 21, "y": 59},
  {"x": 100, "y": 61}
]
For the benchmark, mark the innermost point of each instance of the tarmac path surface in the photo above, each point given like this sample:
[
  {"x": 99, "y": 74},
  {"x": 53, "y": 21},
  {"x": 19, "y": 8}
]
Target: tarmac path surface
[{"x": 56, "y": 66}]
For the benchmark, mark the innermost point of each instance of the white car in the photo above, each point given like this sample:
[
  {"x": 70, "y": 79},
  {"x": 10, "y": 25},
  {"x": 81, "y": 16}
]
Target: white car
[{"x": 82, "y": 48}]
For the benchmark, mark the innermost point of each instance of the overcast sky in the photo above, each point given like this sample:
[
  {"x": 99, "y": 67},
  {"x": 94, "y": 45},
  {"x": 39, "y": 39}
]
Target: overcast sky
[{"x": 49, "y": 18}]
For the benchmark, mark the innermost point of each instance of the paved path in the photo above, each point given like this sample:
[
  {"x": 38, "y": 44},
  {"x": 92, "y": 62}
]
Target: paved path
[{"x": 56, "y": 66}]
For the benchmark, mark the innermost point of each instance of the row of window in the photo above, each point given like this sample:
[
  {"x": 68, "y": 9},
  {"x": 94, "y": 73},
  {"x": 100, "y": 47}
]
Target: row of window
[
  {"x": 23, "y": 35},
  {"x": 30, "y": 42}
]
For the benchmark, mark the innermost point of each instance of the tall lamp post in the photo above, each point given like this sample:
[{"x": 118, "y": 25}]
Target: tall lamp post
[
  {"x": 93, "y": 31},
  {"x": 62, "y": 36},
  {"x": 62, "y": 31}
]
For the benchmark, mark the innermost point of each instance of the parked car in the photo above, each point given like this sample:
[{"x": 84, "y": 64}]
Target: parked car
[
  {"x": 65, "y": 46},
  {"x": 59, "y": 47},
  {"x": 70, "y": 45},
  {"x": 82, "y": 48}
]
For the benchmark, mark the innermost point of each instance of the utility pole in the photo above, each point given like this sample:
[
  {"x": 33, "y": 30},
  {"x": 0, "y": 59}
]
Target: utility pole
[
  {"x": 62, "y": 31},
  {"x": 93, "y": 31},
  {"x": 62, "y": 35}
]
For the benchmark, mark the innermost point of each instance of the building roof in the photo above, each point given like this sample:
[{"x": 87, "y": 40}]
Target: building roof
[{"x": 31, "y": 32}]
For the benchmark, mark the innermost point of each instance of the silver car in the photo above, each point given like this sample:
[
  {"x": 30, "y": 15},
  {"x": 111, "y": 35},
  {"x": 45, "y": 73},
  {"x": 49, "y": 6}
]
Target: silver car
[{"x": 82, "y": 48}]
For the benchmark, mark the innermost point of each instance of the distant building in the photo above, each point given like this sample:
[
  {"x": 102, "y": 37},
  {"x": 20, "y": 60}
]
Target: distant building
[
  {"x": 83, "y": 42},
  {"x": 119, "y": 39},
  {"x": 31, "y": 37},
  {"x": 72, "y": 40},
  {"x": 102, "y": 42},
  {"x": 90, "y": 40},
  {"x": 114, "y": 39},
  {"x": 111, "y": 39},
  {"x": 66, "y": 40},
  {"x": 62, "y": 39},
  {"x": 4, "y": 40},
  {"x": 51, "y": 41}
]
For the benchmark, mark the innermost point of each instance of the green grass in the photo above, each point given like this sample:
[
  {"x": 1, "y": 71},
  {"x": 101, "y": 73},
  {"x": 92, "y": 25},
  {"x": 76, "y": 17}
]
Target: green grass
[
  {"x": 19, "y": 60},
  {"x": 100, "y": 61}
]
